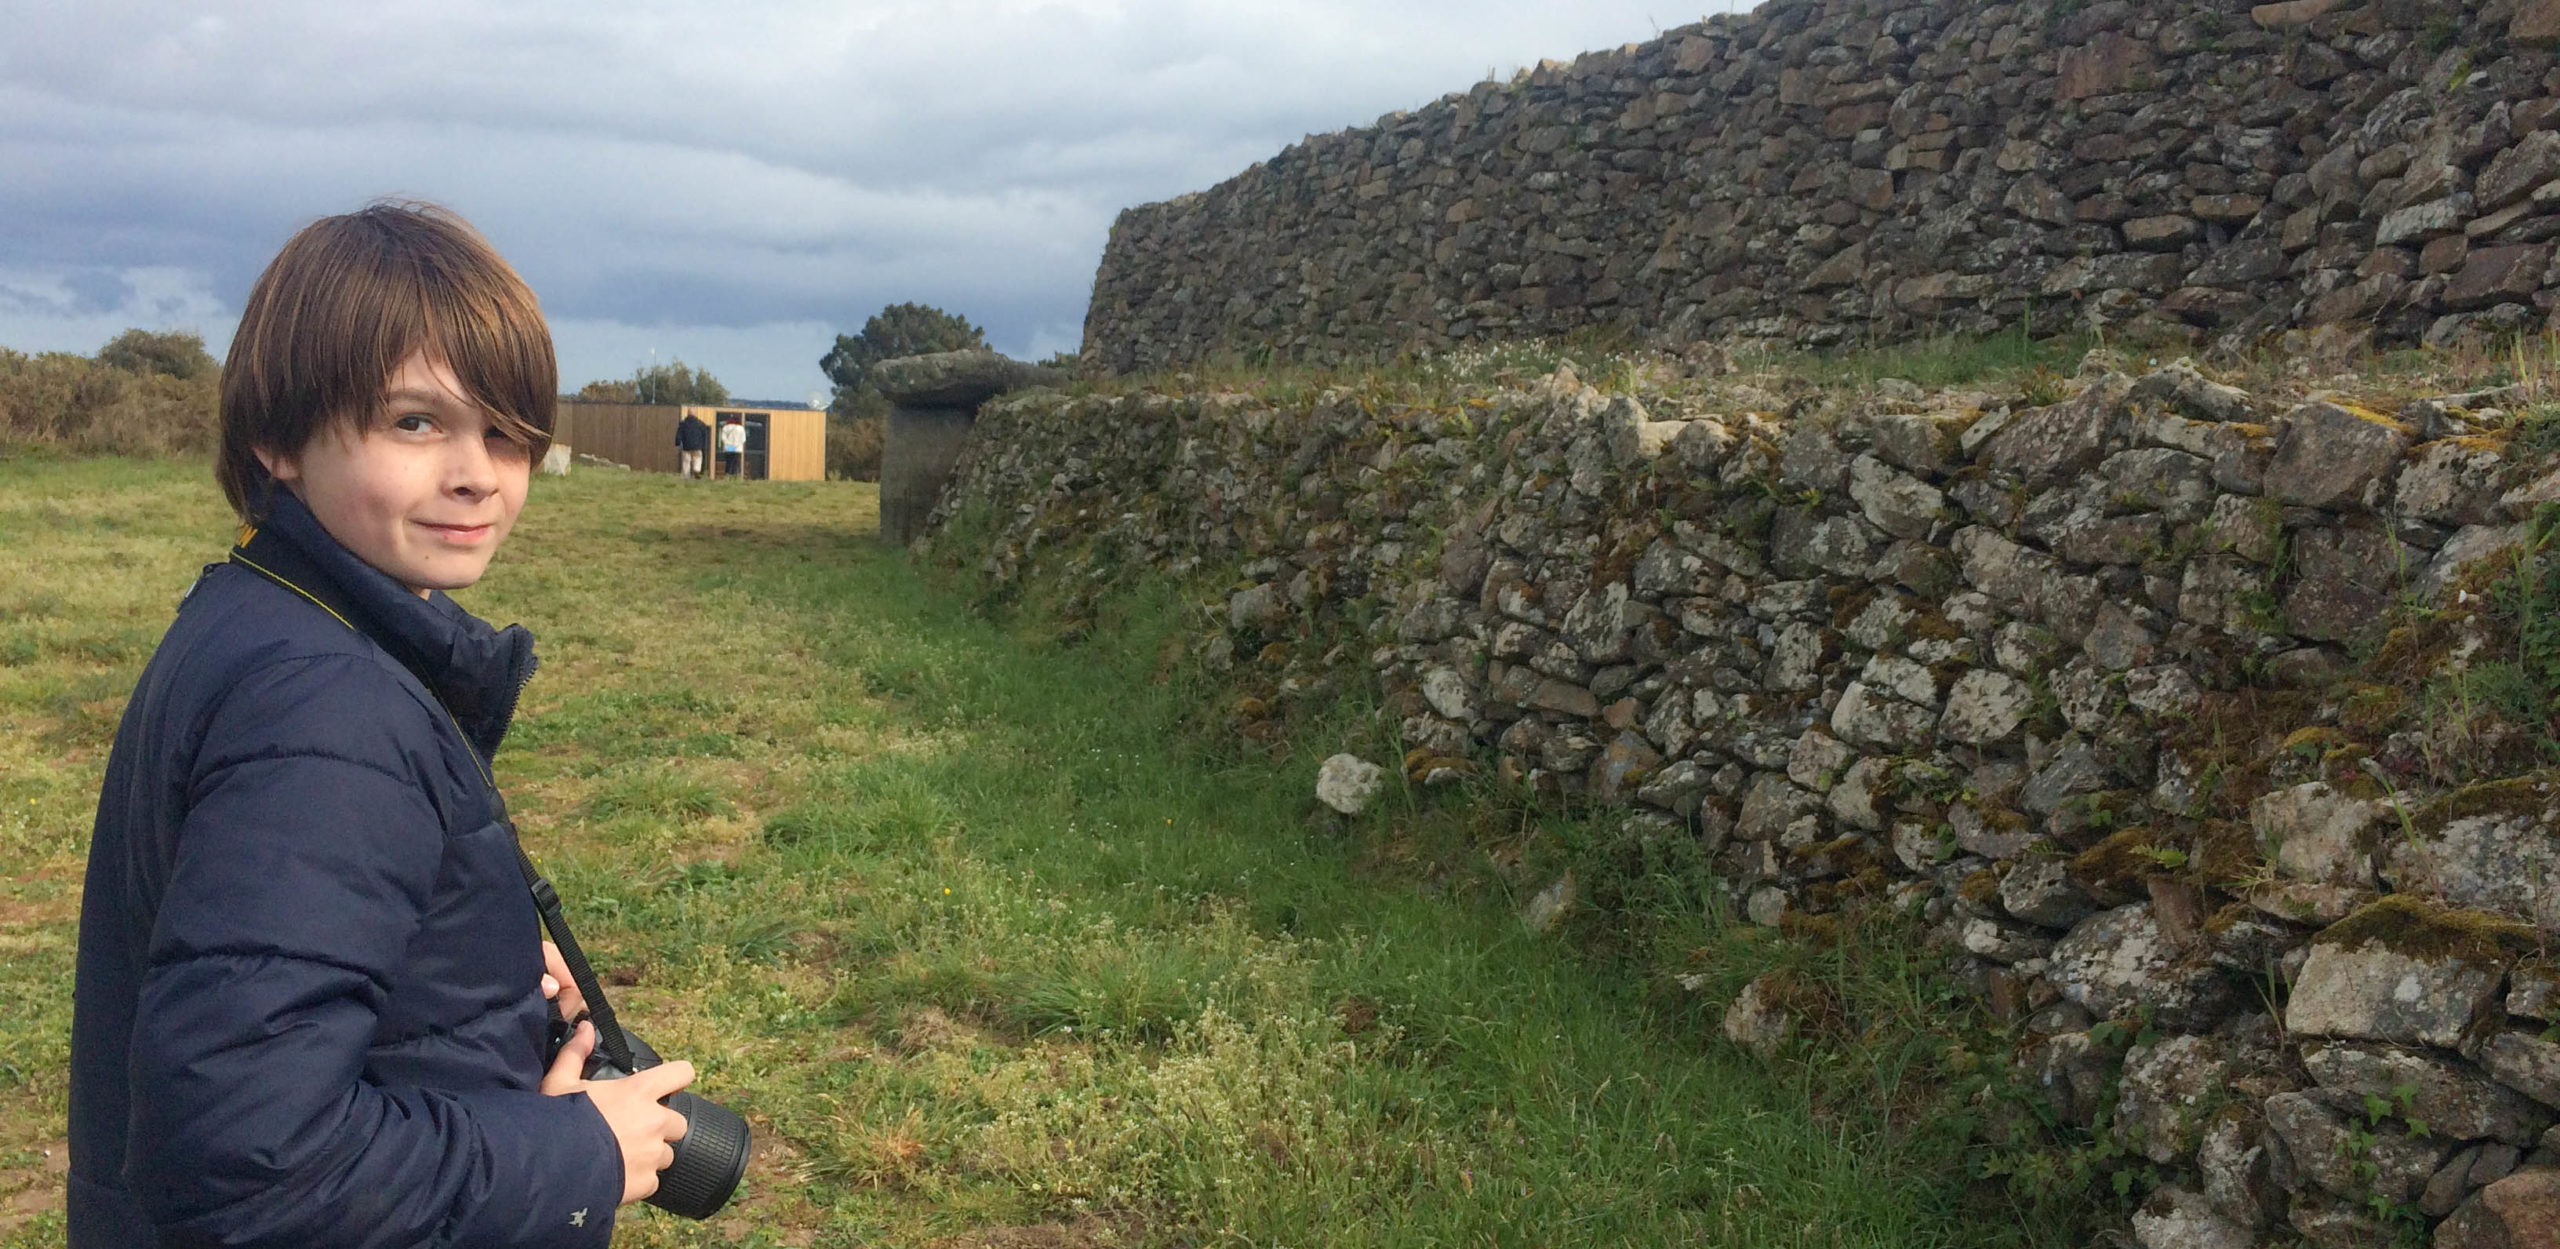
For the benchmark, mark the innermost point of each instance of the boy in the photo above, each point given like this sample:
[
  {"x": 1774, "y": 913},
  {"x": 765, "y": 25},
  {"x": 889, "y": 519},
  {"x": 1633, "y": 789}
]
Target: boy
[{"x": 310, "y": 1007}]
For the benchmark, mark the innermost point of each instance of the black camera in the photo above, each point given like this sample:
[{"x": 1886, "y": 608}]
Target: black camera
[{"x": 711, "y": 1156}]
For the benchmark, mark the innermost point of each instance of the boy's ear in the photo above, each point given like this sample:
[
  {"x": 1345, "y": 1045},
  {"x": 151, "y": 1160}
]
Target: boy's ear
[{"x": 282, "y": 467}]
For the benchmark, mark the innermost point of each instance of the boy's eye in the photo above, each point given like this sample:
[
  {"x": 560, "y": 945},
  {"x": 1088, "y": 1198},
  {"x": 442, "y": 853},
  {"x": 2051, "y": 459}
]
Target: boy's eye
[{"x": 414, "y": 423}]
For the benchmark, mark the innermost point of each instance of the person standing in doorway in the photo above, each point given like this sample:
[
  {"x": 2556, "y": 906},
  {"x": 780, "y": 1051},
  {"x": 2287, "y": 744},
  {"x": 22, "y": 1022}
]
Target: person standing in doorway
[
  {"x": 693, "y": 445},
  {"x": 733, "y": 448}
]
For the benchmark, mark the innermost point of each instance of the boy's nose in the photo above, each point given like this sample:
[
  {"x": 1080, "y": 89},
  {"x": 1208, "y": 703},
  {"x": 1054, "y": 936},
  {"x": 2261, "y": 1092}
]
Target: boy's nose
[{"x": 471, "y": 472}]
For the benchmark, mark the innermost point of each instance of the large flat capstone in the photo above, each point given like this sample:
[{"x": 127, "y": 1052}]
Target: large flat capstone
[{"x": 957, "y": 379}]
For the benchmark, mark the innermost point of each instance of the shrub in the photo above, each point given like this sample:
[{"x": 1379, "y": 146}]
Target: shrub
[
  {"x": 143, "y": 394},
  {"x": 181, "y": 356},
  {"x": 855, "y": 444}
]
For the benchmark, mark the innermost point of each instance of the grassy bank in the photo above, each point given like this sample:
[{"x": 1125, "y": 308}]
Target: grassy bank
[{"x": 990, "y": 952}]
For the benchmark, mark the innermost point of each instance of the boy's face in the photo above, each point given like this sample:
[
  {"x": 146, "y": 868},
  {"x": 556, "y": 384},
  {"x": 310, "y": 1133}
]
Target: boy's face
[{"x": 427, "y": 494}]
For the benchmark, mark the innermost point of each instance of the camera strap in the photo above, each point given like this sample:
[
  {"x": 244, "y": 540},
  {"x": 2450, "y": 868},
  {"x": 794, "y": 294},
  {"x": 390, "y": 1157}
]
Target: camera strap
[{"x": 546, "y": 900}]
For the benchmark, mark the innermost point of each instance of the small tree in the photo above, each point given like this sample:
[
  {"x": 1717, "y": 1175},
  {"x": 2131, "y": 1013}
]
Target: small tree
[
  {"x": 897, "y": 330},
  {"x": 146, "y": 352},
  {"x": 857, "y": 416}
]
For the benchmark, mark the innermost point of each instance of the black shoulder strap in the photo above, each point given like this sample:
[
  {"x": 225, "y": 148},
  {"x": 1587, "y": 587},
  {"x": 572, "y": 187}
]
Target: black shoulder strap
[{"x": 609, "y": 1035}]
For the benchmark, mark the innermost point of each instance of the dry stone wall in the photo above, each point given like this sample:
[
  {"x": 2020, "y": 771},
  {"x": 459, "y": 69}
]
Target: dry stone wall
[
  {"x": 1835, "y": 170},
  {"x": 2088, "y": 687}
]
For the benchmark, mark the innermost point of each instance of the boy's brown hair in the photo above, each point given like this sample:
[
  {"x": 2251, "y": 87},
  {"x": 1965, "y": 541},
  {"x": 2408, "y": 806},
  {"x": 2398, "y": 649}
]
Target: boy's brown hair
[{"x": 349, "y": 299}]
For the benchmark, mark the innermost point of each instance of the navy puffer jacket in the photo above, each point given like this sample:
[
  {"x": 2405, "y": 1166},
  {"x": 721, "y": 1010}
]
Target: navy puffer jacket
[{"x": 308, "y": 1009}]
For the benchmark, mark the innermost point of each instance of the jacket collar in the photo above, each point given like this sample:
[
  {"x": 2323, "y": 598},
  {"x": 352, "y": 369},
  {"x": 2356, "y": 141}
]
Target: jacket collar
[{"x": 476, "y": 671}]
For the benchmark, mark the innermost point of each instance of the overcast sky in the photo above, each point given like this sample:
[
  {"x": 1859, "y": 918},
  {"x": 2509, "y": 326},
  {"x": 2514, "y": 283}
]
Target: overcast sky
[{"x": 732, "y": 184}]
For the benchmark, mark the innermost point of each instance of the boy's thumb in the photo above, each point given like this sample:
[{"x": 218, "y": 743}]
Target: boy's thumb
[{"x": 569, "y": 1069}]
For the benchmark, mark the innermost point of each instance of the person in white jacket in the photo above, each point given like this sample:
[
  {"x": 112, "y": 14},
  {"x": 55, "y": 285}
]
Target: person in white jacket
[{"x": 733, "y": 448}]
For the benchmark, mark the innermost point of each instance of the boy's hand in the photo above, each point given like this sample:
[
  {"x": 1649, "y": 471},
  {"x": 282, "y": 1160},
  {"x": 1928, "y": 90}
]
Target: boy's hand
[
  {"x": 645, "y": 1130},
  {"x": 557, "y": 984}
]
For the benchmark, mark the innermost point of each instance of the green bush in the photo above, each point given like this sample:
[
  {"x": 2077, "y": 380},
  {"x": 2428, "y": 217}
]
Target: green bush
[
  {"x": 857, "y": 434},
  {"x": 143, "y": 394}
]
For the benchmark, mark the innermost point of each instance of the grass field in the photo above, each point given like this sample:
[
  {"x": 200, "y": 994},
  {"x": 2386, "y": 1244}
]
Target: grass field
[{"x": 990, "y": 953}]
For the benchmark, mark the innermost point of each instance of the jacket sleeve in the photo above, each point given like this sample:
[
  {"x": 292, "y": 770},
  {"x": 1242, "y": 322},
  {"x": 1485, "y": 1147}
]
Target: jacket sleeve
[{"x": 302, "y": 870}]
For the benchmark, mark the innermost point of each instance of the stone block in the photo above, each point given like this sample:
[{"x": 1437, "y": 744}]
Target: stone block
[
  {"x": 2328, "y": 453},
  {"x": 2400, "y": 971},
  {"x": 1984, "y": 707},
  {"x": 2118, "y": 960},
  {"x": 2070, "y": 437},
  {"x": 2452, "y": 1098},
  {"x": 2521, "y": 1211},
  {"x": 2514, "y": 173},
  {"x": 2418, "y": 223},
  {"x": 2041, "y": 892},
  {"x": 2289, "y": 14},
  {"x": 1347, "y": 783},
  {"x": 2505, "y": 864},
  {"x": 2535, "y": 22},
  {"x": 2526, "y": 1063},
  {"x": 2320, "y": 833},
  {"x": 1896, "y": 502},
  {"x": 2110, "y": 63},
  {"x": 2162, "y": 234},
  {"x": 1875, "y": 719},
  {"x": 2497, "y": 275},
  {"x": 2342, "y": 1157},
  {"x": 2451, "y": 481},
  {"x": 1769, "y": 805},
  {"x": 1622, "y": 768},
  {"x": 2169, "y": 1090}
]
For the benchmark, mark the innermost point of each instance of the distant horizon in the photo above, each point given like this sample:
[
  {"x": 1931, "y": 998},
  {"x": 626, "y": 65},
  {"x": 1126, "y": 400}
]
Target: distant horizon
[{"x": 820, "y": 163}]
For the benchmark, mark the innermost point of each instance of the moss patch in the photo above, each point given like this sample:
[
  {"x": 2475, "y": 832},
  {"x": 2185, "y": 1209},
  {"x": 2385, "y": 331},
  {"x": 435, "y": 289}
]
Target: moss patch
[
  {"x": 2226, "y": 854},
  {"x": 2114, "y": 870},
  {"x": 2369, "y": 710},
  {"x": 2519, "y": 796},
  {"x": 1931, "y": 626},
  {"x": 2409, "y": 925}
]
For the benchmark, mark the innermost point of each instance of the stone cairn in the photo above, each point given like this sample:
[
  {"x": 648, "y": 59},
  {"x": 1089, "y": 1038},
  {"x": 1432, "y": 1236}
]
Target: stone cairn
[
  {"x": 2070, "y": 682},
  {"x": 1828, "y": 171},
  {"x": 933, "y": 399}
]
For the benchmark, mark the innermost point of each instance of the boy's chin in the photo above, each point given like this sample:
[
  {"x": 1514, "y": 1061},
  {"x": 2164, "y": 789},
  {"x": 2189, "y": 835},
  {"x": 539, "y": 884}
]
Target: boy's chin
[{"x": 446, "y": 579}]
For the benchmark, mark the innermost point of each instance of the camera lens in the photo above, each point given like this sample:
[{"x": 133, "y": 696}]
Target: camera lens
[{"x": 711, "y": 1158}]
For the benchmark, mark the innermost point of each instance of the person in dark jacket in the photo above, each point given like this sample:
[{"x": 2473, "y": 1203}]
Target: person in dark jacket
[
  {"x": 310, "y": 998},
  {"x": 693, "y": 440}
]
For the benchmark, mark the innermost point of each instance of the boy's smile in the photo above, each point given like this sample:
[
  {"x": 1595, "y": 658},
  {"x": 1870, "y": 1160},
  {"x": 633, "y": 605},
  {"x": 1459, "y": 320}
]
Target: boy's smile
[{"x": 426, "y": 492}]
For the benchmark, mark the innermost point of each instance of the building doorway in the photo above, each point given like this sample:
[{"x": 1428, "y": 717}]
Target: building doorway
[{"x": 756, "y": 464}]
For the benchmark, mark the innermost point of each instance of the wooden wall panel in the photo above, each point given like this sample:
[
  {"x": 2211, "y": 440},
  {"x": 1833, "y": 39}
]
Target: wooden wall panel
[
  {"x": 640, "y": 435},
  {"x": 797, "y": 444}
]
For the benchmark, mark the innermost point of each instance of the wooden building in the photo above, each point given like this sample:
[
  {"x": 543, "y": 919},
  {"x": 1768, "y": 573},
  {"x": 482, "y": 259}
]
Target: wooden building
[{"x": 783, "y": 443}]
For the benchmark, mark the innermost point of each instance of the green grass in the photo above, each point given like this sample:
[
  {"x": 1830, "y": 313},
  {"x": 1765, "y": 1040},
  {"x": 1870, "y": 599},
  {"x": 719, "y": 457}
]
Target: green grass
[{"x": 981, "y": 938}]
